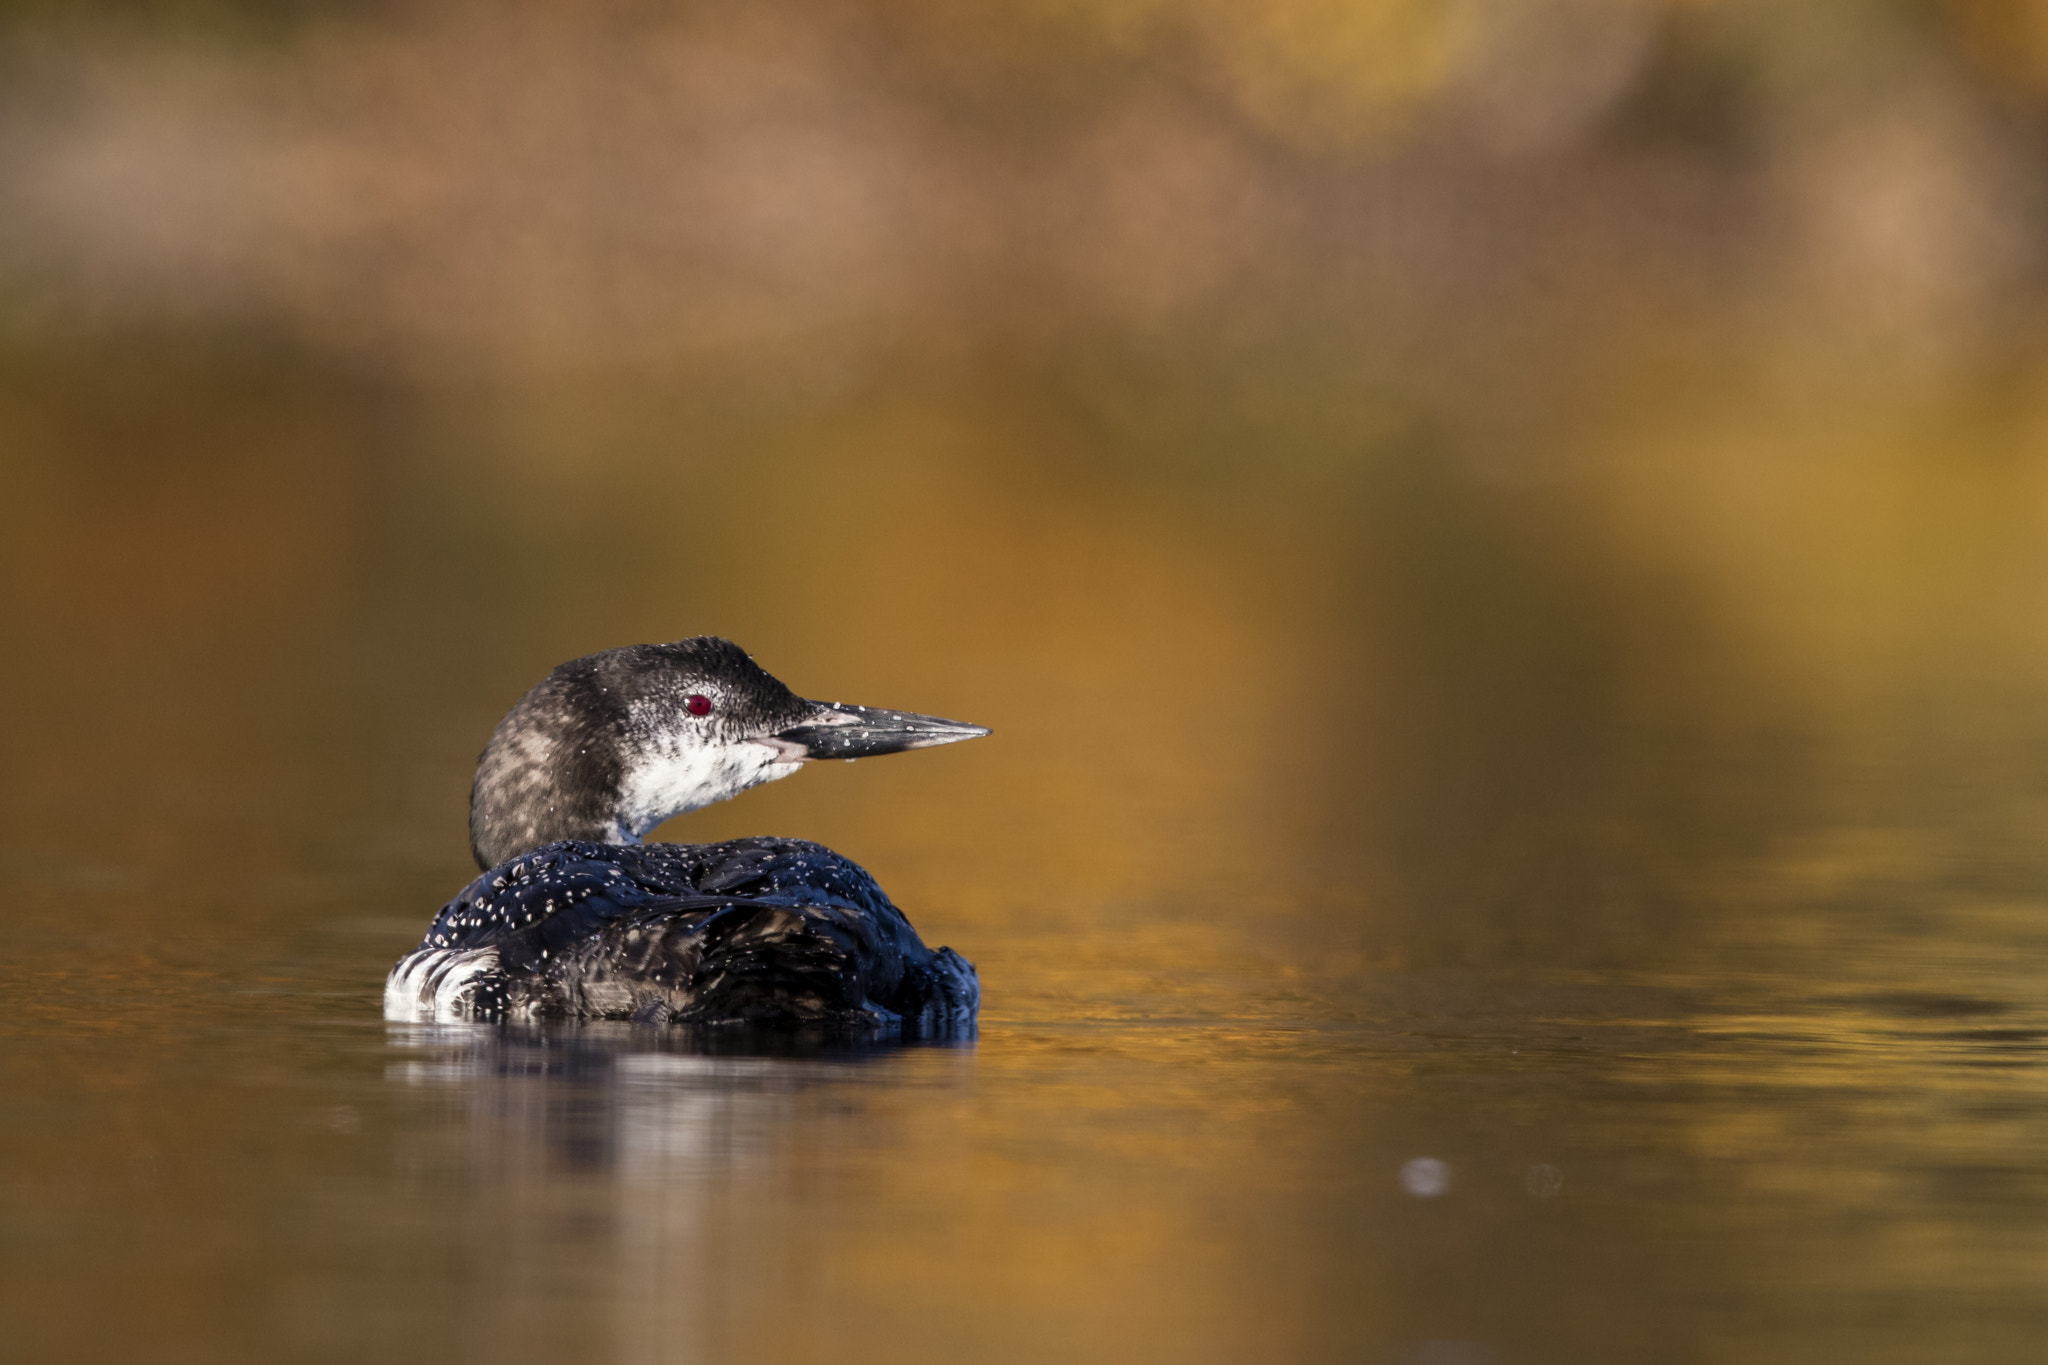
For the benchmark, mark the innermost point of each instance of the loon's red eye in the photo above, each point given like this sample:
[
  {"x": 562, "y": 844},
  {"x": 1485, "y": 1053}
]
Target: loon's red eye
[{"x": 698, "y": 704}]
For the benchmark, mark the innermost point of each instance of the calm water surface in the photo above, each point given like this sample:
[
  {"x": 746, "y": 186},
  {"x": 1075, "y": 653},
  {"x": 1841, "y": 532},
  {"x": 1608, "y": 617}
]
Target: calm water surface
[{"x": 1426, "y": 915}]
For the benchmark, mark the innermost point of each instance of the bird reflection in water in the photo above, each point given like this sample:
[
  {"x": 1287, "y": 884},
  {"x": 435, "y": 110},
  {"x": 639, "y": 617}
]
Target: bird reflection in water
[
  {"x": 644, "y": 1175},
  {"x": 604, "y": 1096}
]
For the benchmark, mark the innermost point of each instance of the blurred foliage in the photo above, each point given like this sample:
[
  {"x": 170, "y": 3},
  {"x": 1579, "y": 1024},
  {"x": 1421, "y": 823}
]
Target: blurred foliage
[{"x": 444, "y": 190}]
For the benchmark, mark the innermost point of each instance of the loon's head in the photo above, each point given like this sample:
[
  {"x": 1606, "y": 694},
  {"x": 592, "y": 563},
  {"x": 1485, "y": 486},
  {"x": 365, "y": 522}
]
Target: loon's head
[{"x": 609, "y": 746}]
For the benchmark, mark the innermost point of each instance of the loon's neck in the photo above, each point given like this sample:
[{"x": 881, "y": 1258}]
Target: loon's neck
[
  {"x": 538, "y": 782},
  {"x": 598, "y": 751}
]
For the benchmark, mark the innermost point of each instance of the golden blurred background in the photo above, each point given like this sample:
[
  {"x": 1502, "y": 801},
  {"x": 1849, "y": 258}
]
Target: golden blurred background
[
  {"x": 1490, "y": 375},
  {"x": 1503, "y": 543}
]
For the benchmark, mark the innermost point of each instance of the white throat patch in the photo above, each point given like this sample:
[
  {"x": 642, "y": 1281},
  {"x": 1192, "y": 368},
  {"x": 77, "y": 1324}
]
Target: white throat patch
[{"x": 684, "y": 776}]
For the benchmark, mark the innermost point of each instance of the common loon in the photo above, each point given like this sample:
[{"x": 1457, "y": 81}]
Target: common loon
[{"x": 574, "y": 917}]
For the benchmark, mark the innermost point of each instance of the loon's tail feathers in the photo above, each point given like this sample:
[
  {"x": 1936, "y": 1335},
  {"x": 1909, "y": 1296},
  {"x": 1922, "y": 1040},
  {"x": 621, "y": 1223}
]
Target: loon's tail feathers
[{"x": 941, "y": 998}]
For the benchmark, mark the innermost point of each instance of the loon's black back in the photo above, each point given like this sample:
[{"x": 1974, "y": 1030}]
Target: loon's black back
[{"x": 745, "y": 932}]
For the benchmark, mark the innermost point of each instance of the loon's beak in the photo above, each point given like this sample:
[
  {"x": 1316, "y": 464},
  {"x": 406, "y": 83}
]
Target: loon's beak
[{"x": 837, "y": 731}]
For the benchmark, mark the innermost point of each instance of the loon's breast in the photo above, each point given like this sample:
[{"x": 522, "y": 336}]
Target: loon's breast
[{"x": 748, "y": 931}]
